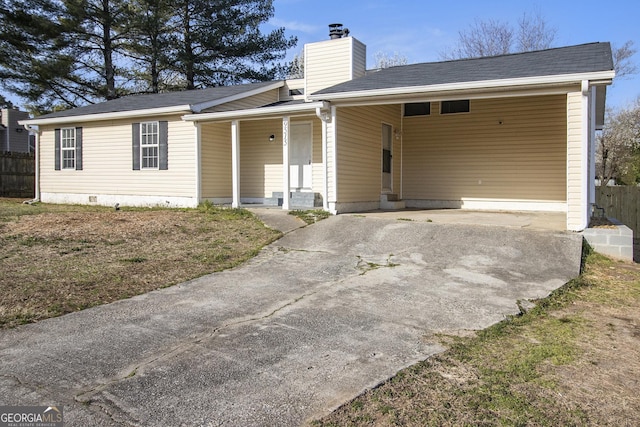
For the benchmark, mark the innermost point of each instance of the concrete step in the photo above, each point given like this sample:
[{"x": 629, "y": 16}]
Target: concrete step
[
  {"x": 390, "y": 202},
  {"x": 299, "y": 199}
]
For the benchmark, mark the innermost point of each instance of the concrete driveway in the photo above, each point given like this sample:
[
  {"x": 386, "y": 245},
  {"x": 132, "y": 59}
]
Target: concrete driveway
[{"x": 320, "y": 315}]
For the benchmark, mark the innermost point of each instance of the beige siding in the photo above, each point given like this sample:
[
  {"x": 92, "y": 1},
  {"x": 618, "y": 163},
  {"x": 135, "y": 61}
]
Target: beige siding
[
  {"x": 259, "y": 100},
  {"x": 216, "y": 160},
  {"x": 504, "y": 149},
  {"x": 359, "y": 59},
  {"x": 107, "y": 162},
  {"x": 333, "y": 61},
  {"x": 260, "y": 160},
  {"x": 575, "y": 202},
  {"x": 290, "y": 85},
  {"x": 359, "y": 146},
  {"x": 318, "y": 170}
]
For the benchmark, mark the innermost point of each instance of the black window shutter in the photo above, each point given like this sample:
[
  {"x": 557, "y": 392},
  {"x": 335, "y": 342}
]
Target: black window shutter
[
  {"x": 136, "y": 145},
  {"x": 163, "y": 140},
  {"x": 78, "y": 149},
  {"x": 57, "y": 149}
]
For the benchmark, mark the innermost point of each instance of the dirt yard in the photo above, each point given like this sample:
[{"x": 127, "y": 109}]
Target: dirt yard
[{"x": 59, "y": 259}]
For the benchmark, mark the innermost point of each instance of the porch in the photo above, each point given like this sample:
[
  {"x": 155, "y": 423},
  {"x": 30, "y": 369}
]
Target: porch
[{"x": 534, "y": 220}]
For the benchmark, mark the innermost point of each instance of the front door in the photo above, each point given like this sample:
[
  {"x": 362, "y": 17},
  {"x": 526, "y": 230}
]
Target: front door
[
  {"x": 386, "y": 158},
  {"x": 300, "y": 156}
]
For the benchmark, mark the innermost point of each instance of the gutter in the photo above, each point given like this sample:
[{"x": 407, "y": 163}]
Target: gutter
[
  {"x": 324, "y": 114},
  {"x": 261, "y": 112},
  {"x": 107, "y": 116},
  {"x": 600, "y": 77}
]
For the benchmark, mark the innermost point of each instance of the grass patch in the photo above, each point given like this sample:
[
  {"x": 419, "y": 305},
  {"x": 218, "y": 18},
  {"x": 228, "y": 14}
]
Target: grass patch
[
  {"x": 568, "y": 361},
  {"x": 310, "y": 216},
  {"x": 56, "y": 259}
]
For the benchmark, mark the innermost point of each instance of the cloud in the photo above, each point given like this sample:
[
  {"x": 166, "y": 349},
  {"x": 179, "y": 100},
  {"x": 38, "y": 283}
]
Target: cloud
[{"x": 295, "y": 26}]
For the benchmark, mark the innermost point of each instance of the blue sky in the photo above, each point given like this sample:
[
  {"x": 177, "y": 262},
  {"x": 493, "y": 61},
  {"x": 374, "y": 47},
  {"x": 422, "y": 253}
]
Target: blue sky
[{"x": 420, "y": 29}]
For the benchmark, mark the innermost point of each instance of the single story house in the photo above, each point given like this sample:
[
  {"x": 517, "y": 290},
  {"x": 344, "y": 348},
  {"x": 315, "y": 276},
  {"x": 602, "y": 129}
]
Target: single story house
[{"x": 510, "y": 132}]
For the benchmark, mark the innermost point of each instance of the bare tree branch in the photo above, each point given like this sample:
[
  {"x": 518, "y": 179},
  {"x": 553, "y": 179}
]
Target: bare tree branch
[{"x": 622, "y": 59}]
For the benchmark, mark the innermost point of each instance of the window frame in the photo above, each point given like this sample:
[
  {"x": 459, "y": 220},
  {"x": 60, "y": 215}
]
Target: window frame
[
  {"x": 144, "y": 144},
  {"x": 416, "y": 114},
  {"x": 65, "y": 138},
  {"x": 456, "y": 103}
]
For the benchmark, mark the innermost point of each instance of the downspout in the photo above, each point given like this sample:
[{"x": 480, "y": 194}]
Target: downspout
[
  {"x": 325, "y": 117},
  {"x": 198, "y": 153},
  {"x": 334, "y": 138},
  {"x": 35, "y": 129}
]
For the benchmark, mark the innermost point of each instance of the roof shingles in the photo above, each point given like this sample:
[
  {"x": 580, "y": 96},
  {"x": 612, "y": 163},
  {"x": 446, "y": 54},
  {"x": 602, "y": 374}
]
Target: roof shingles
[
  {"x": 584, "y": 58},
  {"x": 158, "y": 100}
]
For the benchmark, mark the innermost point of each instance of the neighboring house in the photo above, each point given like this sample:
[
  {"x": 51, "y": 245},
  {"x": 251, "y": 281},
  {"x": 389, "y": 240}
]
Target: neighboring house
[
  {"x": 512, "y": 132},
  {"x": 13, "y": 136}
]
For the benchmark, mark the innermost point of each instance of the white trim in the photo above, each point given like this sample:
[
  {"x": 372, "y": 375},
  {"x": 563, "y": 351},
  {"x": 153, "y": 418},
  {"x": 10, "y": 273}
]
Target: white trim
[
  {"x": 334, "y": 130},
  {"x": 584, "y": 156},
  {"x": 64, "y": 138},
  {"x": 286, "y": 179},
  {"x": 196, "y": 108},
  {"x": 488, "y": 204},
  {"x": 123, "y": 200},
  {"x": 155, "y": 145},
  {"x": 36, "y": 131},
  {"x": 198, "y": 154},
  {"x": 308, "y": 107},
  {"x": 481, "y": 84},
  {"x": 324, "y": 118},
  {"x": 592, "y": 150},
  {"x": 108, "y": 116},
  {"x": 235, "y": 163},
  {"x": 401, "y": 195},
  {"x": 439, "y": 96}
]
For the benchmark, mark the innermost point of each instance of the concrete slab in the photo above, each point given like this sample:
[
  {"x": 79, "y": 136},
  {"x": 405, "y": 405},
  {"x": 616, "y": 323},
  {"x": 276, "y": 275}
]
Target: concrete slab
[
  {"x": 320, "y": 315},
  {"x": 556, "y": 221}
]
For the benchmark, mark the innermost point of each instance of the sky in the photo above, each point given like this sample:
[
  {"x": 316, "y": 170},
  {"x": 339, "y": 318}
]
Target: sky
[{"x": 421, "y": 30}]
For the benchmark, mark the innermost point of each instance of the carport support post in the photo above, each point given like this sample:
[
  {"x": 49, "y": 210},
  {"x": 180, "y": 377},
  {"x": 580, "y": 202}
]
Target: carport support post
[
  {"x": 235, "y": 163},
  {"x": 286, "y": 186}
]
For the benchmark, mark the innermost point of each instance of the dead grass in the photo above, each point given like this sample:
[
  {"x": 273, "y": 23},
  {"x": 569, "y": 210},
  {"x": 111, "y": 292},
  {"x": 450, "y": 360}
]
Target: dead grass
[
  {"x": 573, "y": 360},
  {"x": 56, "y": 259}
]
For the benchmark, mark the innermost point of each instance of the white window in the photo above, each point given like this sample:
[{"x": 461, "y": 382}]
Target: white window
[
  {"x": 68, "y": 148},
  {"x": 149, "y": 145}
]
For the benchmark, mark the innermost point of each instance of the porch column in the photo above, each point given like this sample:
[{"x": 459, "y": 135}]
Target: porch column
[
  {"x": 198, "y": 155},
  {"x": 286, "y": 183},
  {"x": 235, "y": 163},
  {"x": 325, "y": 172},
  {"x": 592, "y": 148},
  {"x": 579, "y": 139}
]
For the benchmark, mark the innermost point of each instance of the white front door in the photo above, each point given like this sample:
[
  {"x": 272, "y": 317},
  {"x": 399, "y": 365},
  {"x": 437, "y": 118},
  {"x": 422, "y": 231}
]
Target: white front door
[
  {"x": 386, "y": 158},
  {"x": 301, "y": 156}
]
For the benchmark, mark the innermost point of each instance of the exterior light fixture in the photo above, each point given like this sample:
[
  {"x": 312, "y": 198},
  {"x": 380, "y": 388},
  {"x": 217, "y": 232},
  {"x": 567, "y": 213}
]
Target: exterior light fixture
[
  {"x": 19, "y": 130},
  {"x": 272, "y": 138}
]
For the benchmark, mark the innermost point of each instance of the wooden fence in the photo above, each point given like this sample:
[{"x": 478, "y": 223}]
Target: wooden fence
[
  {"x": 622, "y": 203},
  {"x": 17, "y": 175}
]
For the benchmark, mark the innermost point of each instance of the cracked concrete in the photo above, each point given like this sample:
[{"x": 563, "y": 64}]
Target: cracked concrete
[{"x": 317, "y": 317}]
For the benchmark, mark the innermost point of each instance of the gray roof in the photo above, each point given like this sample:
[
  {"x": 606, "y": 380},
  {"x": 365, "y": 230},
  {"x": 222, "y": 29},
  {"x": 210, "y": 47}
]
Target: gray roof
[
  {"x": 583, "y": 58},
  {"x": 159, "y": 100}
]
